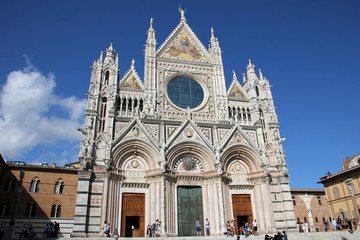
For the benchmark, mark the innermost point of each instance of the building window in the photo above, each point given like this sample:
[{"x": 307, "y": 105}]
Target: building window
[
  {"x": 34, "y": 185},
  {"x": 319, "y": 201},
  {"x": 102, "y": 114},
  {"x": 323, "y": 220},
  {"x": 336, "y": 193},
  {"x": 257, "y": 91},
  {"x": 305, "y": 219},
  {"x": 31, "y": 210},
  {"x": 55, "y": 211},
  {"x": 294, "y": 202},
  {"x": 4, "y": 209},
  {"x": 107, "y": 77},
  {"x": 298, "y": 220},
  {"x": 185, "y": 92},
  {"x": 59, "y": 187},
  {"x": 316, "y": 220},
  {"x": 10, "y": 185}
]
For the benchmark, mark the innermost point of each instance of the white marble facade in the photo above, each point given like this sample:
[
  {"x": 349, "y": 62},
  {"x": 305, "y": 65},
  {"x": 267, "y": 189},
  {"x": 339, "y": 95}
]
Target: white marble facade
[{"x": 137, "y": 140}]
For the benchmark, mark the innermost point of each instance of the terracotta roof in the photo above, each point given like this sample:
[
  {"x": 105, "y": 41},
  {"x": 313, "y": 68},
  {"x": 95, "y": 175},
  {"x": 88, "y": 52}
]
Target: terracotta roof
[
  {"x": 339, "y": 174},
  {"x": 322, "y": 191},
  {"x": 347, "y": 161}
]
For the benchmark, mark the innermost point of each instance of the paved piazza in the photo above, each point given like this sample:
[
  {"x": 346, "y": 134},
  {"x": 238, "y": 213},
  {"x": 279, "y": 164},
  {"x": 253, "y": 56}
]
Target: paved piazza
[{"x": 291, "y": 236}]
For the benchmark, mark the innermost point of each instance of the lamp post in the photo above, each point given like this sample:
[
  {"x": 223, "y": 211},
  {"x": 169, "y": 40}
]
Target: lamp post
[{"x": 9, "y": 232}]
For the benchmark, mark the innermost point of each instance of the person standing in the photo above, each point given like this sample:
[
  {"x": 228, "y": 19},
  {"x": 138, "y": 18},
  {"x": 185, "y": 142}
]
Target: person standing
[
  {"x": 255, "y": 225},
  {"x": 333, "y": 222},
  {"x": 207, "y": 227},
  {"x": 56, "y": 229},
  {"x": 198, "y": 227},
  {"x": 285, "y": 236},
  {"x": 348, "y": 221}
]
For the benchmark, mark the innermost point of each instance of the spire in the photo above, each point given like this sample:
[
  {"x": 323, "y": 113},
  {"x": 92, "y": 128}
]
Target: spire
[
  {"x": 251, "y": 74},
  {"x": 132, "y": 64},
  {"x": 212, "y": 34},
  {"x": 244, "y": 78},
  {"x": 117, "y": 59},
  {"x": 234, "y": 76},
  {"x": 260, "y": 75},
  {"x": 151, "y": 31},
  {"x": 101, "y": 57},
  {"x": 110, "y": 52}
]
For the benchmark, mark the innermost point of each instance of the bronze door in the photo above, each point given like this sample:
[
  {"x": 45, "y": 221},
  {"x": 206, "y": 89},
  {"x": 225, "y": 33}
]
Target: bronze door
[
  {"x": 133, "y": 215},
  {"x": 189, "y": 208},
  {"x": 242, "y": 210}
]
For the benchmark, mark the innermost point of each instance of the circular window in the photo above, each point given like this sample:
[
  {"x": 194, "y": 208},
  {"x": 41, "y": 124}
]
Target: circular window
[{"x": 185, "y": 92}]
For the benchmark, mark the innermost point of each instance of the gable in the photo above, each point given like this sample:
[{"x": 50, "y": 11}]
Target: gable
[
  {"x": 183, "y": 44},
  {"x": 237, "y": 93},
  {"x": 183, "y": 48},
  {"x": 131, "y": 82}
]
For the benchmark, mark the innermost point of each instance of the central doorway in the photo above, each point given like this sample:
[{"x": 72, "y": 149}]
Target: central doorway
[
  {"x": 189, "y": 208},
  {"x": 242, "y": 210},
  {"x": 133, "y": 215}
]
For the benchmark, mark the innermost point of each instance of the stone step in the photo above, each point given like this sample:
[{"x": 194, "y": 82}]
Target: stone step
[{"x": 339, "y": 235}]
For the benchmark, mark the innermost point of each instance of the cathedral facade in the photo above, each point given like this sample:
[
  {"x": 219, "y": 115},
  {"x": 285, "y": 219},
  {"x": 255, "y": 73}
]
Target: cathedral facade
[{"x": 178, "y": 145}]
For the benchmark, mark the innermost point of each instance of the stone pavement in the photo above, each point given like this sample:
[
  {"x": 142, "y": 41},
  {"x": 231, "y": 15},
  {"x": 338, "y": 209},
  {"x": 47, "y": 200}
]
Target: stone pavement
[{"x": 344, "y": 235}]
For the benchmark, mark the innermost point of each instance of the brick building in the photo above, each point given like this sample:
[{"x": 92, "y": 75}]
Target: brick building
[
  {"x": 48, "y": 194},
  {"x": 311, "y": 209}
]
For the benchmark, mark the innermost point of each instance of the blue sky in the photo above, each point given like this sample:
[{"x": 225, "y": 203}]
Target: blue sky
[{"x": 309, "y": 51}]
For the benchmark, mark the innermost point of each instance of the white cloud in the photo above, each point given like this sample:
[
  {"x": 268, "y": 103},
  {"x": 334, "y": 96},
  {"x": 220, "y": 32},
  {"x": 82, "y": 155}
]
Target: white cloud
[{"x": 30, "y": 113}]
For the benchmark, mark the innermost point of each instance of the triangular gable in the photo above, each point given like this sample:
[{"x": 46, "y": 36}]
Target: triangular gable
[
  {"x": 131, "y": 80},
  {"x": 188, "y": 131},
  {"x": 238, "y": 136},
  {"x": 236, "y": 92},
  {"x": 183, "y": 44},
  {"x": 136, "y": 129}
]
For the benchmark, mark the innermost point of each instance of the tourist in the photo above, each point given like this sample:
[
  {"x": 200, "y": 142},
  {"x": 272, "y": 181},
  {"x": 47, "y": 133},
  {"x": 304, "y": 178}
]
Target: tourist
[
  {"x": 198, "y": 227},
  {"x": 326, "y": 225},
  {"x": 246, "y": 229},
  {"x": 153, "y": 227},
  {"x": 267, "y": 237},
  {"x": 355, "y": 223},
  {"x": 285, "y": 236},
  {"x": 115, "y": 234},
  {"x": 108, "y": 230},
  {"x": 104, "y": 229},
  {"x": 255, "y": 225},
  {"x": 148, "y": 231},
  {"x": 159, "y": 229},
  {"x": 207, "y": 227},
  {"x": 333, "y": 222},
  {"x": 56, "y": 229},
  {"x": 348, "y": 221},
  {"x": 339, "y": 224}
]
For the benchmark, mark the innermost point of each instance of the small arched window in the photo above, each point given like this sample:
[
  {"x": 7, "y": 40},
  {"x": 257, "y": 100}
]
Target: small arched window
[
  {"x": 30, "y": 210},
  {"x": 336, "y": 193},
  {"x": 37, "y": 187},
  {"x": 257, "y": 91},
  {"x": 55, "y": 211},
  {"x": 107, "y": 74},
  {"x": 34, "y": 185},
  {"x": 59, "y": 186},
  {"x": 293, "y": 199}
]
